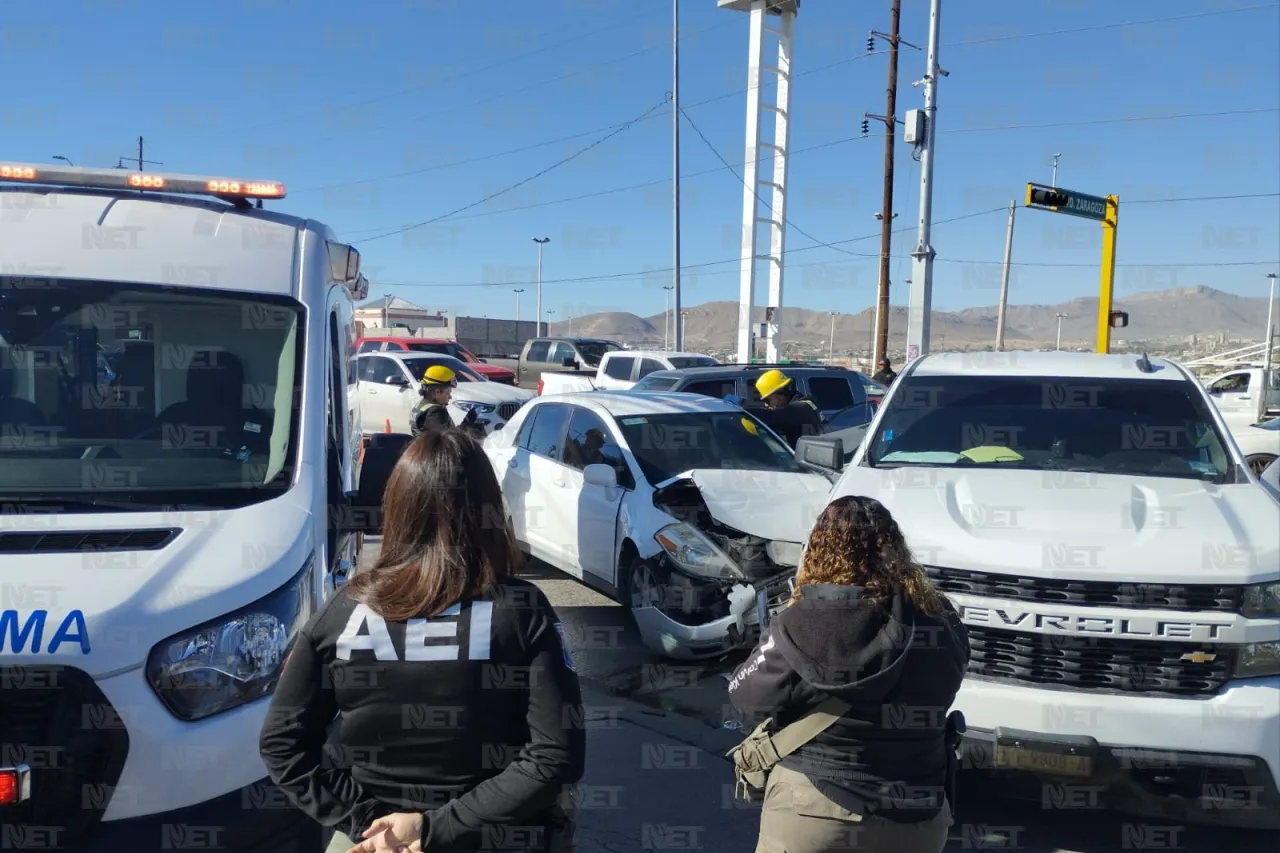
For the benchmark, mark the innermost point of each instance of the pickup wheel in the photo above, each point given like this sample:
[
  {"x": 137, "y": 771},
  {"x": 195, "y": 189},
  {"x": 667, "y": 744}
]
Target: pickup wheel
[{"x": 1258, "y": 462}]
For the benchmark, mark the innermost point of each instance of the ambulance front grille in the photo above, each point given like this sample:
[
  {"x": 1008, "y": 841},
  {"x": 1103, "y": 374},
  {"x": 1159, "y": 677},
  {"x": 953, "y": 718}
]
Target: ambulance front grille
[
  {"x": 55, "y": 720},
  {"x": 65, "y": 542}
]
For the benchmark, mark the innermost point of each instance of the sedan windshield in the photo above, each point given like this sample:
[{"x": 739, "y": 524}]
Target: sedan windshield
[
  {"x": 667, "y": 445},
  {"x": 1110, "y": 426},
  {"x": 147, "y": 395},
  {"x": 418, "y": 366},
  {"x": 681, "y": 362}
]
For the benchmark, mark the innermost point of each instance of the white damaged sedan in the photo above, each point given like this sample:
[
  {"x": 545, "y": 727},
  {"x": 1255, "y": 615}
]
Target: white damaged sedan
[{"x": 682, "y": 506}]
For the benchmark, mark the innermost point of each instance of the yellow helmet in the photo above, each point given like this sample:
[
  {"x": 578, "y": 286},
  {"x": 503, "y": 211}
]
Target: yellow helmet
[
  {"x": 438, "y": 374},
  {"x": 771, "y": 382}
]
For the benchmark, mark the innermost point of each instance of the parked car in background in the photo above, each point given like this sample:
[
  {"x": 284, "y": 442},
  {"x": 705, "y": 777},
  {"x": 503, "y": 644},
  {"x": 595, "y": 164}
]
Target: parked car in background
[
  {"x": 388, "y": 383},
  {"x": 391, "y": 343},
  {"x": 832, "y": 389},
  {"x": 619, "y": 370},
  {"x": 1244, "y": 397},
  {"x": 561, "y": 355},
  {"x": 1260, "y": 443},
  {"x": 683, "y": 507}
]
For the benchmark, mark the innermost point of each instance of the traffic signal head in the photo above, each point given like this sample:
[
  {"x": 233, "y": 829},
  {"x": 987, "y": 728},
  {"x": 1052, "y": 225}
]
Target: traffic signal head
[
  {"x": 871, "y": 44},
  {"x": 1045, "y": 197},
  {"x": 866, "y": 127}
]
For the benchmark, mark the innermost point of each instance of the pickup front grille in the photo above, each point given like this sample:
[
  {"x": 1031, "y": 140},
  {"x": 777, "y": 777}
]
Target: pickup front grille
[
  {"x": 1095, "y": 663},
  {"x": 1191, "y": 597},
  {"x": 55, "y": 720}
]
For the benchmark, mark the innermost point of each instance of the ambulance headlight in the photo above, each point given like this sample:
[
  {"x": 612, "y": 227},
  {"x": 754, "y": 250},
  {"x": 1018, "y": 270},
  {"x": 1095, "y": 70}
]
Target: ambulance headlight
[{"x": 234, "y": 659}]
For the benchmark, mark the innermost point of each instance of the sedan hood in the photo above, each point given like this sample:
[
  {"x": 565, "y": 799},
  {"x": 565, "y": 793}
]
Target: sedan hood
[
  {"x": 1057, "y": 524},
  {"x": 773, "y": 505},
  {"x": 491, "y": 392}
]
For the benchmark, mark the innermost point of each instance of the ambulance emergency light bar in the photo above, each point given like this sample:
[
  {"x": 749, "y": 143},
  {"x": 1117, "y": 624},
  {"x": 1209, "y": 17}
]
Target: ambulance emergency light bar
[{"x": 120, "y": 179}]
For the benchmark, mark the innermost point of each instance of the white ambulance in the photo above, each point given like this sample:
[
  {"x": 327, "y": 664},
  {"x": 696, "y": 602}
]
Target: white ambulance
[{"x": 178, "y": 473}]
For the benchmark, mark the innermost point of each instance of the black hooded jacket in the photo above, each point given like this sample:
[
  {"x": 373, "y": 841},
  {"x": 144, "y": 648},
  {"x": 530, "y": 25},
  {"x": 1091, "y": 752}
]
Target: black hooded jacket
[{"x": 898, "y": 668}]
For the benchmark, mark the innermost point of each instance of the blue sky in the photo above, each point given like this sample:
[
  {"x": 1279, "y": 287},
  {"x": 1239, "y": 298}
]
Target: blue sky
[{"x": 361, "y": 108}]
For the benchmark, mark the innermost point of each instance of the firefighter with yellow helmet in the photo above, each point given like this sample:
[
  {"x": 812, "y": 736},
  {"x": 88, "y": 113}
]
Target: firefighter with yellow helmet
[
  {"x": 431, "y": 412},
  {"x": 787, "y": 412}
]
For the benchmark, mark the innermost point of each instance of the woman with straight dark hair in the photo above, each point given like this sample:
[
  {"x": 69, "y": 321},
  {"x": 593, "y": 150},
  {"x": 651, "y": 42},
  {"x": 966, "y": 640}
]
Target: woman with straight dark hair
[
  {"x": 865, "y": 627},
  {"x": 454, "y": 694}
]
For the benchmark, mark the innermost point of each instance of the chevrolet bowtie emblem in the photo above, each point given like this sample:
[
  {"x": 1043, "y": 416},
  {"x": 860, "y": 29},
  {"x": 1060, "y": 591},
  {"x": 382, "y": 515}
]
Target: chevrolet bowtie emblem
[{"x": 1198, "y": 657}]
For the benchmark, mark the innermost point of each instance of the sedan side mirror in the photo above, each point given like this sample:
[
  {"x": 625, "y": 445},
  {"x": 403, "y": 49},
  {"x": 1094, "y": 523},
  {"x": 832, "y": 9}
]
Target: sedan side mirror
[{"x": 603, "y": 476}]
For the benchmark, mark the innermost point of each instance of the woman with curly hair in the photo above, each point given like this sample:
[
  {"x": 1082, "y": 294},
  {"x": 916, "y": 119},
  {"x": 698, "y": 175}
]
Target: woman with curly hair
[{"x": 865, "y": 626}]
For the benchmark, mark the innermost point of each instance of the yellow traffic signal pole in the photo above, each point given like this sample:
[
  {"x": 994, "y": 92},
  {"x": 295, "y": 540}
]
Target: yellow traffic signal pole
[{"x": 1108, "y": 273}]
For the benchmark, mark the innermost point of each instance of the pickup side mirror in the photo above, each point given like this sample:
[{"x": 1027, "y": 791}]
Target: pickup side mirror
[
  {"x": 569, "y": 361},
  {"x": 823, "y": 454},
  {"x": 603, "y": 476},
  {"x": 397, "y": 379}
]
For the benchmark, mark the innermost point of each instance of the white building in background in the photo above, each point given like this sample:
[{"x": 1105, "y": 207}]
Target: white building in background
[{"x": 392, "y": 312}]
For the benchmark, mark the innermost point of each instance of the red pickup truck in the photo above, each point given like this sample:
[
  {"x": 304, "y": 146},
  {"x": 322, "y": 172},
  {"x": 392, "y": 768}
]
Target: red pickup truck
[{"x": 405, "y": 344}]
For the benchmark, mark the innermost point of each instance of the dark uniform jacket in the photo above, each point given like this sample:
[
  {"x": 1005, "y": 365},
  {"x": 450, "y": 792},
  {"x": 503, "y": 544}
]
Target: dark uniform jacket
[
  {"x": 794, "y": 421},
  {"x": 900, "y": 671},
  {"x": 473, "y": 718},
  {"x": 428, "y": 414},
  {"x": 885, "y": 377}
]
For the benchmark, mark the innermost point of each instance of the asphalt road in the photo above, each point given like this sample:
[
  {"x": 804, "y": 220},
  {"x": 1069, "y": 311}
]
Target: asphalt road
[{"x": 656, "y": 707}]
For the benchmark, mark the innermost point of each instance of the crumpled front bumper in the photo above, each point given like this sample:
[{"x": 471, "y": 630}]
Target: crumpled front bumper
[{"x": 730, "y": 618}]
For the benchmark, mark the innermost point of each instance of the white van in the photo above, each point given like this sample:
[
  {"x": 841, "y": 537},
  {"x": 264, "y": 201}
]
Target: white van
[
  {"x": 1117, "y": 566},
  {"x": 177, "y": 465}
]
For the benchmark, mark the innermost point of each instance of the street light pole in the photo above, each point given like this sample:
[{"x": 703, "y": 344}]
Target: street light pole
[
  {"x": 666, "y": 318},
  {"x": 1004, "y": 280},
  {"x": 517, "y": 291},
  {"x": 831, "y": 344},
  {"x": 541, "y": 241},
  {"x": 675, "y": 167},
  {"x": 921, "y": 302},
  {"x": 1267, "y": 362},
  {"x": 1059, "y": 344}
]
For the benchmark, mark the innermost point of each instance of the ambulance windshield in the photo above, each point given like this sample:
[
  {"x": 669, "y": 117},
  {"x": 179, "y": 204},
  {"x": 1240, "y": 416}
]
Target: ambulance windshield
[{"x": 146, "y": 394}]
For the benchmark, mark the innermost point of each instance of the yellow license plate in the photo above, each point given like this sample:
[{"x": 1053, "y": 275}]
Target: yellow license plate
[{"x": 1037, "y": 761}]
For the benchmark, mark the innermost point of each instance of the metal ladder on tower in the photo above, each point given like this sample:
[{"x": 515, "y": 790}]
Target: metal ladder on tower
[{"x": 766, "y": 243}]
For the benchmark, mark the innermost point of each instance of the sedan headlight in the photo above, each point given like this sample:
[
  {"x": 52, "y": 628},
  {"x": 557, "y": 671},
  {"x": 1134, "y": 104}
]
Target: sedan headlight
[
  {"x": 234, "y": 659},
  {"x": 468, "y": 405},
  {"x": 1261, "y": 601},
  {"x": 695, "y": 553}
]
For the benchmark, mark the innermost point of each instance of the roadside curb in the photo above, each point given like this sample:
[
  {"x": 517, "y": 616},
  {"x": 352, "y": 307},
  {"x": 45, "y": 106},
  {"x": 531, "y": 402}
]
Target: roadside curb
[{"x": 666, "y": 722}]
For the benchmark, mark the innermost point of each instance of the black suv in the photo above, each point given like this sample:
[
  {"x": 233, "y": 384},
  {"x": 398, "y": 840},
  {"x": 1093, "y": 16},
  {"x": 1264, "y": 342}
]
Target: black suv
[{"x": 834, "y": 390}]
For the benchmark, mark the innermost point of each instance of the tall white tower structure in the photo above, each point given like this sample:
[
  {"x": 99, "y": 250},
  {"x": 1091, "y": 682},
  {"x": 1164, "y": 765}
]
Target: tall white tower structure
[{"x": 767, "y": 244}]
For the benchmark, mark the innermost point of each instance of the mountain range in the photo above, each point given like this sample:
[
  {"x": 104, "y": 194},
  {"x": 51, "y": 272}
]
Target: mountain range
[{"x": 1153, "y": 316}]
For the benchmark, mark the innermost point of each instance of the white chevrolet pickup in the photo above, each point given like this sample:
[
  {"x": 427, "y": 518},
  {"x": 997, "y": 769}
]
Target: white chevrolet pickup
[{"x": 1117, "y": 565}]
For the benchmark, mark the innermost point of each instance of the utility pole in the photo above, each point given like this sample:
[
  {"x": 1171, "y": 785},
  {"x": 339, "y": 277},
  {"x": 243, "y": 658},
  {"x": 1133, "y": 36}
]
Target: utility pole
[
  {"x": 120, "y": 160},
  {"x": 886, "y": 221},
  {"x": 1267, "y": 363},
  {"x": 919, "y": 313},
  {"x": 1054, "y": 180},
  {"x": 1004, "y": 280},
  {"x": 666, "y": 318},
  {"x": 1059, "y": 344},
  {"x": 675, "y": 166},
  {"x": 831, "y": 344},
  {"x": 541, "y": 241}
]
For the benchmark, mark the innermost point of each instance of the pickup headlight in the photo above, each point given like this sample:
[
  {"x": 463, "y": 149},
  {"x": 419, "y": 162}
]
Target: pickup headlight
[
  {"x": 1258, "y": 660},
  {"x": 468, "y": 405},
  {"x": 234, "y": 659},
  {"x": 1261, "y": 601},
  {"x": 695, "y": 553}
]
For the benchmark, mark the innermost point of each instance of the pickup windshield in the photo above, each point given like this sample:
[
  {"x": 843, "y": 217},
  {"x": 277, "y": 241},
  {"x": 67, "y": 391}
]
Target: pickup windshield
[
  {"x": 147, "y": 395},
  {"x": 418, "y": 367},
  {"x": 443, "y": 348},
  {"x": 1107, "y": 426},
  {"x": 667, "y": 445}
]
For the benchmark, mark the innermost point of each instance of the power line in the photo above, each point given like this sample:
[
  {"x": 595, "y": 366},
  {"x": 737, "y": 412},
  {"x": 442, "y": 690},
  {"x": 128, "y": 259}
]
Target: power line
[
  {"x": 786, "y": 221},
  {"x": 820, "y": 146},
  {"x": 748, "y": 90},
  {"x": 518, "y": 184},
  {"x": 656, "y": 270}
]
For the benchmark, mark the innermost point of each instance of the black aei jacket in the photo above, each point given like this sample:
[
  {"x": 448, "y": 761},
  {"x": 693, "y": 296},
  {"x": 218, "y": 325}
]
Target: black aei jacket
[{"x": 898, "y": 668}]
